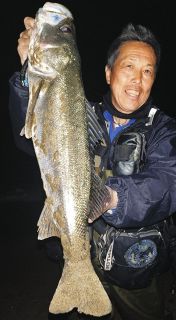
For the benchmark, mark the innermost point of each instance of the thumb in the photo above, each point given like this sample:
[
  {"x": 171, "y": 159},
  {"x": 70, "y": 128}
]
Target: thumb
[{"x": 29, "y": 22}]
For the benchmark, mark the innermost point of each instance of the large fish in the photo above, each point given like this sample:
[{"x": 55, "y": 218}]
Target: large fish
[{"x": 64, "y": 131}]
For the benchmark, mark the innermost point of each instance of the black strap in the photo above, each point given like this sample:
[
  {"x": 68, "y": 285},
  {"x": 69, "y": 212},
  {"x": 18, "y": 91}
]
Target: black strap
[
  {"x": 100, "y": 226},
  {"x": 23, "y": 74}
]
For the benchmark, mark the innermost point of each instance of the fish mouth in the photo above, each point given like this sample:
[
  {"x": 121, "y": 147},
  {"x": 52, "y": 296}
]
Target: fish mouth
[
  {"x": 54, "y": 12},
  {"x": 58, "y": 8}
]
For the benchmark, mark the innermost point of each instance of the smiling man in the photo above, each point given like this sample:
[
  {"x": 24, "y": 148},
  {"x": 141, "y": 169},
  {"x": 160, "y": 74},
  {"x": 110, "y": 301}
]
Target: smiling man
[{"x": 138, "y": 164}]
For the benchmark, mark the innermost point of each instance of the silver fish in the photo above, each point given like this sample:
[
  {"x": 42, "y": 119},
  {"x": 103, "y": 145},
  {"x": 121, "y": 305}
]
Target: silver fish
[{"x": 59, "y": 120}]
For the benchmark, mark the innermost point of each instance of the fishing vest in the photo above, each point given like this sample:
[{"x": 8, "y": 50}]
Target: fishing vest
[
  {"x": 125, "y": 155},
  {"x": 129, "y": 258}
]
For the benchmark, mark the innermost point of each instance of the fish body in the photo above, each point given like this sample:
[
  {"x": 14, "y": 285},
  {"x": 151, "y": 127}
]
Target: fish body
[{"x": 57, "y": 122}]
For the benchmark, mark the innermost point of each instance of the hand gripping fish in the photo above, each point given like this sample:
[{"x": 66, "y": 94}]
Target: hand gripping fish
[{"x": 64, "y": 131}]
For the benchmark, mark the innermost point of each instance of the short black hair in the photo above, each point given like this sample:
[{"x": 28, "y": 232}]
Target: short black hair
[{"x": 134, "y": 33}]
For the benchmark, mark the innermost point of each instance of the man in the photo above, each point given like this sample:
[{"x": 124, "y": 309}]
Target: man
[{"x": 139, "y": 165}]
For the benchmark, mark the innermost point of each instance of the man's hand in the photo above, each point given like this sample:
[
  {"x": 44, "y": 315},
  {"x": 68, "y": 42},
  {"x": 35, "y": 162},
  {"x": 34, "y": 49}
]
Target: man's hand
[
  {"x": 111, "y": 203},
  {"x": 23, "y": 41}
]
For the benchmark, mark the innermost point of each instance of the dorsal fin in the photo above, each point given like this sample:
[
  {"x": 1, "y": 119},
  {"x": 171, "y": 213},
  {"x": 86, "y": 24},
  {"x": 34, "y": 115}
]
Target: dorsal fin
[
  {"x": 99, "y": 194},
  {"x": 94, "y": 129}
]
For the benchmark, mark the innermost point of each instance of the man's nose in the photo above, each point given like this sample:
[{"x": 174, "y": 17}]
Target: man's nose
[{"x": 137, "y": 76}]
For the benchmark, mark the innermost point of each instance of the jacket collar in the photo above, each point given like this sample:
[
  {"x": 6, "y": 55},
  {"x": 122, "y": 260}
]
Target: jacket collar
[{"x": 142, "y": 112}]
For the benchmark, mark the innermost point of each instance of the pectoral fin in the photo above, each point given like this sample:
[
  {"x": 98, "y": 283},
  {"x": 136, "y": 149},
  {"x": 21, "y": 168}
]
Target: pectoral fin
[{"x": 33, "y": 96}]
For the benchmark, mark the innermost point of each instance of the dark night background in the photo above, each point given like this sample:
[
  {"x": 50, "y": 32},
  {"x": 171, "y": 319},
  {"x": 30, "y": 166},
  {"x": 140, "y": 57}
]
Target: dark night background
[
  {"x": 24, "y": 293},
  {"x": 97, "y": 24}
]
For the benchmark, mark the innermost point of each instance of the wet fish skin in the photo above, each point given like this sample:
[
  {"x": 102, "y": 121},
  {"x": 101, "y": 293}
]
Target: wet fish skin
[{"x": 57, "y": 122}]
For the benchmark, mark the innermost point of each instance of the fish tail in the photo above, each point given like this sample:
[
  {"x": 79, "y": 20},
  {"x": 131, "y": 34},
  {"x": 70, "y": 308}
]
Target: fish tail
[{"x": 80, "y": 287}]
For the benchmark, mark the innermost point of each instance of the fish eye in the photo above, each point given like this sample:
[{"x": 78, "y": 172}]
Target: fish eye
[{"x": 66, "y": 29}]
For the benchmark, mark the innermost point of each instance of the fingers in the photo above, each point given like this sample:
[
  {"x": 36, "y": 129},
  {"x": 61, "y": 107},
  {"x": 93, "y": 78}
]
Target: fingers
[
  {"x": 114, "y": 199},
  {"x": 23, "y": 45},
  {"x": 24, "y": 39}
]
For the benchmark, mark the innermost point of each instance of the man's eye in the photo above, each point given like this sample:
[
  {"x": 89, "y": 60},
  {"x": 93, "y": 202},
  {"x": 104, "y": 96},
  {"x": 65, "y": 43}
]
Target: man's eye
[
  {"x": 147, "y": 71},
  {"x": 66, "y": 29}
]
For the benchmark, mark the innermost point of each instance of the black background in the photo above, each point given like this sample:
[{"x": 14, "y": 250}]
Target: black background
[
  {"x": 28, "y": 279},
  {"x": 97, "y": 24}
]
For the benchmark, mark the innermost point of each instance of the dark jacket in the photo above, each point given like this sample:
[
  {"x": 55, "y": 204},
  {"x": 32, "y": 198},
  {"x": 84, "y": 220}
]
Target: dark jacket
[{"x": 146, "y": 197}]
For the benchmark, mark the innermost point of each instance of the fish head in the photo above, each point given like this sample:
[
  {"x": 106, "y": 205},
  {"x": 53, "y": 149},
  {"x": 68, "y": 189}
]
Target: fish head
[{"x": 52, "y": 45}]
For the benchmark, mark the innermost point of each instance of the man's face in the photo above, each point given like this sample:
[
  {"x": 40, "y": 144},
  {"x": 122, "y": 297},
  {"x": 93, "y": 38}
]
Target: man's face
[{"x": 132, "y": 76}]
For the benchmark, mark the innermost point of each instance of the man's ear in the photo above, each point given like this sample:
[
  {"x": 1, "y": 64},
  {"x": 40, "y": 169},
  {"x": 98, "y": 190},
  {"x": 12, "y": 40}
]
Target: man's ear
[{"x": 108, "y": 74}]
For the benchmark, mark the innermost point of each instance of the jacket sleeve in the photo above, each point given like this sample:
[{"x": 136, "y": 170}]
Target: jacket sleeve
[
  {"x": 18, "y": 102},
  {"x": 149, "y": 196}
]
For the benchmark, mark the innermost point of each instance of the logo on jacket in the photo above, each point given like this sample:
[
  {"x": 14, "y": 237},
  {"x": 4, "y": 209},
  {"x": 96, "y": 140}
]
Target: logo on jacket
[{"x": 141, "y": 254}]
